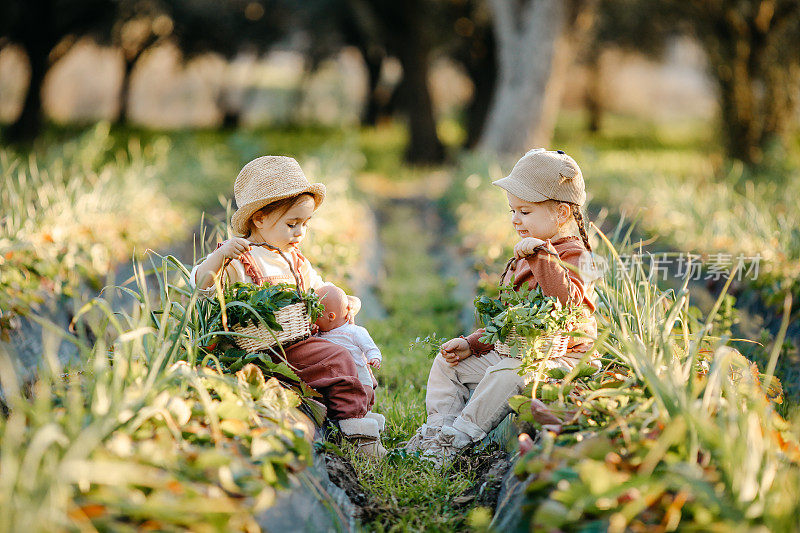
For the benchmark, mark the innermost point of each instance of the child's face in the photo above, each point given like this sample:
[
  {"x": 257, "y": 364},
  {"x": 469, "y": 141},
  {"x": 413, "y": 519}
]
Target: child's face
[
  {"x": 286, "y": 229},
  {"x": 533, "y": 219}
]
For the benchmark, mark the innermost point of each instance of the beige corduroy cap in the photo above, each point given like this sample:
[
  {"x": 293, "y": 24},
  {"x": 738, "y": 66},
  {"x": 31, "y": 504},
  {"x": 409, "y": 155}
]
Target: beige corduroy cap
[
  {"x": 545, "y": 175},
  {"x": 268, "y": 179}
]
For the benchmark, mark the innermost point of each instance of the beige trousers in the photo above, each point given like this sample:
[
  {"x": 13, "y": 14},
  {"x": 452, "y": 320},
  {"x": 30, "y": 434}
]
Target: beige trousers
[{"x": 491, "y": 379}]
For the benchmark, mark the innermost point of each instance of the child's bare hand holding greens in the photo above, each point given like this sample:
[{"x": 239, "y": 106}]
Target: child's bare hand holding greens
[{"x": 455, "y": 350}]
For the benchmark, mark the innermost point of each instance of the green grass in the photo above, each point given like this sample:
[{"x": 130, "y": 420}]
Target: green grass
[
  {"x": 676, "y": 432},
  {"x": 410, "y": 494},
  {"x": 672, "y": 179},
  {"x": 669, "y": 173},
  {"x": 228, "y": 446},
  {"x": 130, "y": 436},
  {"x": 418, "y": 301},
  {"x": 70, "y": 212}
]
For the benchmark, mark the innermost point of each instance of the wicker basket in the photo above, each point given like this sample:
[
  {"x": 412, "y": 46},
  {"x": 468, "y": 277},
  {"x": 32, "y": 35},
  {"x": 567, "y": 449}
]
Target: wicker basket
[
  {"x": 293, "y": 319},
  {"x": 296, "y": 327},
  {"x": 549, "y": 346}
]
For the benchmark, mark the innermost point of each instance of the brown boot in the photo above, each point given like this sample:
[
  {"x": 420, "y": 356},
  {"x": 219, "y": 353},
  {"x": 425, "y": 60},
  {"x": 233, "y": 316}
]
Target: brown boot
[
  {"x": 369, "y": 447},
  {"x": 364, "y": 434}
]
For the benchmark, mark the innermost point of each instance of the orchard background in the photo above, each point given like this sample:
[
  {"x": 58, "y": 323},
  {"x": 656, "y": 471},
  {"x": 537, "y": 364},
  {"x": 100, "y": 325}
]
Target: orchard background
[{"x": 124, "y": 124}]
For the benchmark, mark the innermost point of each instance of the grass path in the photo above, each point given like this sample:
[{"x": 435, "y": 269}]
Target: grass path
[{"x": 408, "y": 494}]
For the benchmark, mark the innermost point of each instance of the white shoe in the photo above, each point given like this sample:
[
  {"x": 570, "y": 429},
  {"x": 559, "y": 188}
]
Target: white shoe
[
  {"x": 459, "y": 438},
  {"x": 359, "y": 427},
  {"x": 445, "y": 446},
  {"x": 419, "y": 440},
  {"x": 379, "y": 418}
]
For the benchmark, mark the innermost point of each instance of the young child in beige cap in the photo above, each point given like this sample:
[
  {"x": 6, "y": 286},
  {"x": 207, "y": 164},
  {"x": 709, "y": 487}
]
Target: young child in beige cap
[
  {"x": 545, "y": 192},
  {"x": 275, "y": 202}
]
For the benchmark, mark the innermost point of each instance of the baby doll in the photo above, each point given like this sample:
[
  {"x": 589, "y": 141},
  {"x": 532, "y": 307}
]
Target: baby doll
[{"x": 335, "y": 327}]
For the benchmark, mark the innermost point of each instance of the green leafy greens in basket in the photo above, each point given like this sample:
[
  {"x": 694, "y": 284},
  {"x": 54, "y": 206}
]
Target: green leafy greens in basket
[
  {"x": 528, "y": 311},
  {"x": 245, "y": 303}
]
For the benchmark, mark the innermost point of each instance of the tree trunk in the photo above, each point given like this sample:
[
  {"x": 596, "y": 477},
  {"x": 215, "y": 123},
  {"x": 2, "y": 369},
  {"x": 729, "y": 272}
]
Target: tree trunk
[
  {"x": 528, "y": 33},
  {"x": 483, "y": 73},
  {"x": 232, "y": 108},
  {"x": 563, "y": 57},
  {"x": 408, "y": 42},
  {"x": 125, "y": 90},
  {"x": 29, "y": 123},
  {"x": 401, "y": 26},
  {"x": 752, "y": 55},
  {"x": 374, "y": 105},
  {"x": 593, "y": 98},
  {"x": 782, "y": 91},
  {"x": 738, "y": 108},
  {"x": 360, "y": 27},
  {"x": 38, "y": 39},
  {"x": 423, "y": 144},
  {"x": 231, "y": 118},
  {"x": 758, "y": 101}
]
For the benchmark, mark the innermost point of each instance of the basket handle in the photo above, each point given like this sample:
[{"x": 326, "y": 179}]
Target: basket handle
[{"x": 274, "y": 249}]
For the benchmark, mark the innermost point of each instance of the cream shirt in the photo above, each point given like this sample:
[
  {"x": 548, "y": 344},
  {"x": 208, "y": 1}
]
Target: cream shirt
[{"x": 272, "y": 266}]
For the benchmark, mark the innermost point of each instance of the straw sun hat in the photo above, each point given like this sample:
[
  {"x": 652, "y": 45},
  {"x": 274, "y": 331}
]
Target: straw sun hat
[{"x": 268, "y": 179}]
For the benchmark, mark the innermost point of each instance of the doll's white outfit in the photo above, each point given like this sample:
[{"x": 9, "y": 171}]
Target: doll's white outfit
[{"x": 362, "y": 348}]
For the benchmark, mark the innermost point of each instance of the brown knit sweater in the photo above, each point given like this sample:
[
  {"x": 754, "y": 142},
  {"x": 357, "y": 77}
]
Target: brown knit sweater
[{"x": 542, "y": 268}]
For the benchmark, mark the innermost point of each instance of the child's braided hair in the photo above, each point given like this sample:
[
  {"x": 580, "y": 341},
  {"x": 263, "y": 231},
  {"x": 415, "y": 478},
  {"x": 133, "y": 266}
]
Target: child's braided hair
[{"x": 578, "y": 216}]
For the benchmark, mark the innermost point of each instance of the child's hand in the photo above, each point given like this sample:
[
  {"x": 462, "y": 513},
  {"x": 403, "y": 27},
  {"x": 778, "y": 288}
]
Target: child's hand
[
  {"x": 455, "y": 350},
  {"x": 526, "y": 246},
  {"x": 234, "y": 248},
  {"x": 375, "y": 363}
]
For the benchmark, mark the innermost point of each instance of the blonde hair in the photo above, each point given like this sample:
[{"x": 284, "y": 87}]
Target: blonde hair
[{"x": 576, "y": 222}]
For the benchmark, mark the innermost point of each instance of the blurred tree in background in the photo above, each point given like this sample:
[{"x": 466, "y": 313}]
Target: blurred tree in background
[
  {"x": 536, "y": 42},
  {"x": 412, "y": 32},
  {"x": 138, "y": 26},
  {"x": 641, "y": 26},
  {"x": 516, "y": 55},
  {"x": 753, "y": 53},
  {"x": 404, "y": 30},
  {"x": 473, "y": 46},
  {"x": 39, "y": 26},
  {"x": 332, "y": 25},
  {"x": 228, "y": 27},
  {"x": 47, "y": 29},
  {"x": 753, "y": 49}
]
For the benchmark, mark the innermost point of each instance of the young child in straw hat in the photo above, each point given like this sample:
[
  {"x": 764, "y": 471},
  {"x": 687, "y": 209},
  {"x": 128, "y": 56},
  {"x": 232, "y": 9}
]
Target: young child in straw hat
[
  {"x": 545, "y": 192},
  {"x": 275, "y": 201}
]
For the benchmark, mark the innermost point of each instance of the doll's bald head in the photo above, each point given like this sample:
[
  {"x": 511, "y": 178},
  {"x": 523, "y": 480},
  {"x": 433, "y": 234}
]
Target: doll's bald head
[{"x": 336, "y": 307}]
